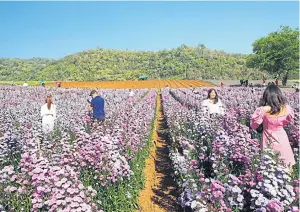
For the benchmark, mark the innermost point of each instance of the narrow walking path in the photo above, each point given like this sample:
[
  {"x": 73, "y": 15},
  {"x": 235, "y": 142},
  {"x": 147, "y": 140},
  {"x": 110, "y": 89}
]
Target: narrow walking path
[{"x": 160, "y": 192}]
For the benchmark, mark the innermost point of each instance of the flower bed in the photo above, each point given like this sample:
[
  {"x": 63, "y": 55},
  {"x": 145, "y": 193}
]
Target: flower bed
[
  {"x": 78, "y": 167},
  {"x": 217, "y": 160}
]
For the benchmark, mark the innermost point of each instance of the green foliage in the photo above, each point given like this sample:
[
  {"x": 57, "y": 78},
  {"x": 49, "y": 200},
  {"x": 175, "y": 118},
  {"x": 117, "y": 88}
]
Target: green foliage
[
  {"x": 277, "y": 53},
  {"x": 30, "y": 83},
  {"x": 17, "y": 69},
  {"x": 103, "y": 64}
]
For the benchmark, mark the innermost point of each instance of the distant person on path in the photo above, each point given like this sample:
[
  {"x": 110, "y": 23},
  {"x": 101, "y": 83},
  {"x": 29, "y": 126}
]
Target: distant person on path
[
  {"x": 213, "y": 105},
  {"x": 12, "y": 83},
  {"x": 241, "y": 82},
  {"x": 222, "y": 84},
  {"x": 296, "y": 88},
  {"x": 168, "y": 88},
  {"x": 48, "y": 114},
  {"x": 97, "y": 106},
  {"x": 131, "y": 95},
  {"x": 58, "y": 83},
  {"x": 264, "y": 80},
  {"x": 25, "y": 84},
  {"x": 42, "y": 82},
  {"x": 277, "y": 82},
  {"x": 274, "y": 114}
]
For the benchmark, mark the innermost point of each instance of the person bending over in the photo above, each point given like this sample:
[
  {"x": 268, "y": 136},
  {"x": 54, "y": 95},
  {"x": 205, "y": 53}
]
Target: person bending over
[{"x": 97, "y": 106}]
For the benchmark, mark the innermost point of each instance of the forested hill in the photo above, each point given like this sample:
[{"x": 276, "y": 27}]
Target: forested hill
[
  {"x": 17, "y": 69},
  {"x": 103, "y": 64}
]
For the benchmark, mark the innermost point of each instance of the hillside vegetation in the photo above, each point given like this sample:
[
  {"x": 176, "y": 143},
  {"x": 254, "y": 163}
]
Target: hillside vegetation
[
  {"x": 17, "y": 69},
  {"x": 103, "y": 64}
]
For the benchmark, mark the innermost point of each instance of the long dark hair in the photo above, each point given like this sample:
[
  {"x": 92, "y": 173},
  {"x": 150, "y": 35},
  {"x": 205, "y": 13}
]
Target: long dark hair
[
  {"x": 209, "y": 92},
  {"x": 49, "y": 101},
  {"x": 273, "y": 97}
]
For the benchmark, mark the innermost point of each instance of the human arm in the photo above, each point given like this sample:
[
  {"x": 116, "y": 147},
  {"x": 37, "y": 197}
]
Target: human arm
[
  {"x": 204, "y": 106},
  {"x": 290, "y": 115},
  {"x": 43, "y": 111},
  {"x": 257, "y": 117},
  {"x": 91, "y": 105},
  {"x": 221, "y": 108},
  {"x": 54, "y": 112}
]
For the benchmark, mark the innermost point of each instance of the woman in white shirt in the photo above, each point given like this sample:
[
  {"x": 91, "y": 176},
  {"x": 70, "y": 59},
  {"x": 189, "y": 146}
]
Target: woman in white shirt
[
  {"x": 131, "y": 93},
  {"x": 48, "y": 113},
  {"x": 213, "y": 105}
]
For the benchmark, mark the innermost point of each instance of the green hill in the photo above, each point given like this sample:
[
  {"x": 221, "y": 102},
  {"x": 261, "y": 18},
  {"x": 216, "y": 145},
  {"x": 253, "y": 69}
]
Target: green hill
[
  {"x": 103, "y": 64},
  {"x": 17, "y": 69}
]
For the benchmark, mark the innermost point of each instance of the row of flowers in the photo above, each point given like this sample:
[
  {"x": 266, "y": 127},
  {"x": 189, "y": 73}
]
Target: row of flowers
[
  {"x": 79, "y": 167},
  {"x": 217, "y": 160}
]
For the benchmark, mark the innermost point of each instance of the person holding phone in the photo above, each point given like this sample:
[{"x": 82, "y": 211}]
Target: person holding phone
[{"x": 96, "y": 105}]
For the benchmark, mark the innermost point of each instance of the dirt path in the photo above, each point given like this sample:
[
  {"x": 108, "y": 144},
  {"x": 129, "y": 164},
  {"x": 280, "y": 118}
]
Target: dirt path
[{"x": 160, "y": 192}]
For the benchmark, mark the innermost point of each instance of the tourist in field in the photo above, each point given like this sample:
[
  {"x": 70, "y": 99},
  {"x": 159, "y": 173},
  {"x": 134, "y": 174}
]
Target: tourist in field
[
  {"x": 58, "y": 83},
  {"x": 131, "y": 93},
  {"x": 42, "y": 82},
  {"x": 273, "y": 113},
  {"x": 296, "y": 88},
  {"x": 48, "y": 114},
  {"x": 213, "y": 105},
  {"x": 97, "y": 106}
]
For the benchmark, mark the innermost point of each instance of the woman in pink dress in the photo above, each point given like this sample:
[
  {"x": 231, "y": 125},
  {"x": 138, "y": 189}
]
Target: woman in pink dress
[{"x": 274, "y": 114}]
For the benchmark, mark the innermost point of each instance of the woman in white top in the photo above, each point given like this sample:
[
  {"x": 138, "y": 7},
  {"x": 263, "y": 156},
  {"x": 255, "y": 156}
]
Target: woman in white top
[
  {"x": 48, "y": 113},
  {"x": 131, "y": 93},
  {"x": 213, "y": 105}
]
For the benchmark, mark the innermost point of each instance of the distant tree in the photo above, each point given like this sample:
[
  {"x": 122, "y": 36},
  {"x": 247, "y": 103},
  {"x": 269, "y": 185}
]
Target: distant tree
[{"x": 277, "y": 53}]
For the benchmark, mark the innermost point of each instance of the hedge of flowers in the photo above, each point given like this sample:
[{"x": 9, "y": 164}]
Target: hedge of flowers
[
  {"x": 217, "y": 160},
  {"x": 80, "y": 166}
]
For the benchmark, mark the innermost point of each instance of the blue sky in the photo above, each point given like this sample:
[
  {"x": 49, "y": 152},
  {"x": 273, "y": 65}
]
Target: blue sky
[{"x": 57, "y": 29}]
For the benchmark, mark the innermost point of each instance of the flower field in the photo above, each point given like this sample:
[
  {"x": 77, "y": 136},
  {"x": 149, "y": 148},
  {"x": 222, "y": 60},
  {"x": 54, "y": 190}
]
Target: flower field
[
  {"x": 78, "y": 167},
  {"x": 216, "y": 160},
  {"x": 136, "y": 84}
]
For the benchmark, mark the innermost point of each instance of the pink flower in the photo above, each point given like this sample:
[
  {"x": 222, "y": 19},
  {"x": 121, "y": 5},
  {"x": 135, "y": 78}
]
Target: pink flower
[
  {"x": 81, "y": 194},
  {"x": 38, "y": 205},
  {"x": 201, "y": 156},
  {"x": 66, "y": 185},
  {"x": 40, "y": 189},
  {"x": 13, "y": 178},
  {"x": 70, "y": 190},
  {"x": 275, "y": 206},
  {"x": 37, "y": 170},
  {"x": 12, "y": 189},
  {"x": 80, "y": 186},
  {"x": 58, "y": 184}
]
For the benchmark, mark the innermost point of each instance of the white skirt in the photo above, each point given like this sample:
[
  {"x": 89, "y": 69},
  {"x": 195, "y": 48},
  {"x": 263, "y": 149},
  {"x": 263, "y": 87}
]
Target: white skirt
[{"x": 48, "y": 123}]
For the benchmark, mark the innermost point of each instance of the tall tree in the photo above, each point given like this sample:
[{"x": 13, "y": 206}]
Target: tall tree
[{"x": 277, "y": 53}]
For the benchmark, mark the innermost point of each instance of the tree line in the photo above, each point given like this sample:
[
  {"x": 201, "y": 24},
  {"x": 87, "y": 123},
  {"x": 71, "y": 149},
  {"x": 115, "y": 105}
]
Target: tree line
[{"x": 273, "y": 54}]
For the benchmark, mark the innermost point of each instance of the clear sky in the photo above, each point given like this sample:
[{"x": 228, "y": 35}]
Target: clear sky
[{"x": 56, "y": 29}]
